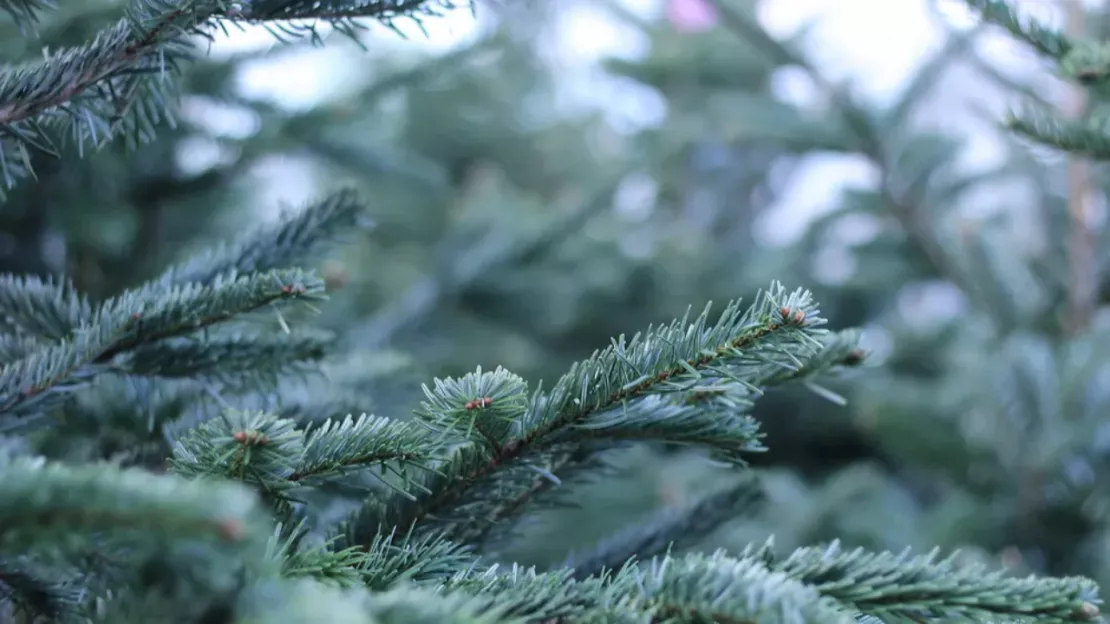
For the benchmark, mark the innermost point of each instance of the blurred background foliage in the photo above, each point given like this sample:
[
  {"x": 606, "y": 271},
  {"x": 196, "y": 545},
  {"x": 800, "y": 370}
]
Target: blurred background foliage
[{"x": 510, "y": 230}]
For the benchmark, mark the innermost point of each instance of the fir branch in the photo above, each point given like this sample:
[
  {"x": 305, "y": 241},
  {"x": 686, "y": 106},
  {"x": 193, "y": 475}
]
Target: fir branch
[
  {"x": 694, "y": 588},
  {"x": 536, "y": 596},
  {"x": 45, "y": 309},
  {"x": 253, "y": 447},
  {"x": 1047, "y": 41},
  {"x": 25, "y": 13},
  {"x": 719, "y": 588},
  {"x": 306, "y": 602},
  {"x": 330, "y": 10},
  {"x": 42, "y": 502},
  {"x": 292, "y": 240},
  {"x": 423, "y": 297},
  {"x": 337, "y": 446},
  {"x": 229, "y": 359},
  {"x": 585, "y": 462},
  {"x": 136, "y": 318},
  {"x": 685, "y": 382},
  {"x": 36, "y": 593},
  {"x": 670, "y": 529},
  {"x": 582, "y": 463},
  {"x": 273, "y": 455},
  {"x": 395, "y": 558},
  {"x": 338, "y": 568},
  {"x": 119, "y": 83},
  {"x": 1089, "y": 137},
  {"x": 413, "y": 606},
  {"x": 13, "y": 347},
  {"x": 921, "y": 588}
]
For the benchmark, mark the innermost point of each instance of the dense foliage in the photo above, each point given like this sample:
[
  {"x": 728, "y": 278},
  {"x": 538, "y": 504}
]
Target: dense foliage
[{"x": 172, "y": 452}]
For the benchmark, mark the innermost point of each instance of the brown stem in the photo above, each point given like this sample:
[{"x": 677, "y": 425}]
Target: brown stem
[{"x": 1082, "y": 266}]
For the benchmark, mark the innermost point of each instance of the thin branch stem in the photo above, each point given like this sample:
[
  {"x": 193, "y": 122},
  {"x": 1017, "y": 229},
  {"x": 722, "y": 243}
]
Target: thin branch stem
[{"x": 1082, "y": 265}]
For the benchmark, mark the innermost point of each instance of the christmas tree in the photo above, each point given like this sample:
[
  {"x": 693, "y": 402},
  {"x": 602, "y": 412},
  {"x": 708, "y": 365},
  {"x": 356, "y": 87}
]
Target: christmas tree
[{"x": 170, "y": 454}]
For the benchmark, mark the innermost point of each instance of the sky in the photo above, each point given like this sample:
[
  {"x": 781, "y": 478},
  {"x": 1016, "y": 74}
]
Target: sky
[{"x": 872, "y": 44}]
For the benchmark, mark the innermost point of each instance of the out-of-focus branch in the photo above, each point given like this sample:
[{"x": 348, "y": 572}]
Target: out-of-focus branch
[
  {"x": 1082, "y": 264},
  {"x": 858, "y": 122}
]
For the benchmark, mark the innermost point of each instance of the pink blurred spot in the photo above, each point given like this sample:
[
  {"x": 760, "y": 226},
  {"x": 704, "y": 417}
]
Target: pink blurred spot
[{"x": 691, "y": 15}]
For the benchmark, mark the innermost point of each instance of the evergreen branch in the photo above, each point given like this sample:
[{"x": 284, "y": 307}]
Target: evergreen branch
[
  {"x": 303, "y": 601},
  {"x": 337, "y": 446},
  {"x": 718, "y": 588},
  {"x": 119, "y": 83},
  {"x": 584, "y": 461},
  {"x": 156, "y": 312},
  {"x": 414, "y": 605},
  {"x": 253, "y": 447},
  {"x": 146, "y": 41},
  {"x": 670, "y": 529},
  {"x": 381, "y": 10},
  {"x": 228, "y": 359},
  {"x": 533, "y": 596},
  {"x": 41, "y": 308},
  {"x": 423, "y": 297},
  {"x": 391, "y": 559},
  {"x": 13, "y": 347},
  {"x": 339, "y": 568},
  {"x": 290, "y": 241},
  {"x": 694, "y": 588},
  {"x": 273, "y": 455},
  {"x": 25, "y": 13},
  {"x": 136, "y": 318},
  {"x": 906, "y": 210},
  {"x": 685, "y": 382},
  {"x": 44, "y": 502},
  {"x": 36, "y": 593},
  {"x": 1089, "y": 137},
  {"x": 890, "y": 586},
  {"x": 579, "y": 464},
  {"x": 1047, "y": 41}
]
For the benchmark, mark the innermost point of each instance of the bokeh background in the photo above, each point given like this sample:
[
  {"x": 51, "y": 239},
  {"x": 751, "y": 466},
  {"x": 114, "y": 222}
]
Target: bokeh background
[{"x": 543, "y": 176}]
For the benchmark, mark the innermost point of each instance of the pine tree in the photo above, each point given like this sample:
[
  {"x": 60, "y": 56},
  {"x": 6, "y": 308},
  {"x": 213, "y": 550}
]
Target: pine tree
[{"x": 132, "y": 490}]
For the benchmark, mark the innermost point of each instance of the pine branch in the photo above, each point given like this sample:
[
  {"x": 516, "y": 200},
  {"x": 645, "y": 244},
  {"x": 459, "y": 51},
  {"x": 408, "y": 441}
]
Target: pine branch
[
  {"x": 718, "y": 588},
  {"x": 25, "y": 13},
  {"x": 532, "y": 596},
  {"x": 14, "y": 347},
  {"x": 585, "y": 462},
  {"x": 137, "y": 318},
  {"x": 46, "y": 309},
  {"x": 395, "y": 558},
  {"x": 694, "y": 588},
  {"x": 336, "y": 446},
  {"x": 292, "y": 240},
  {"x": 1047, "y": 41},
  {"x": 1088, "y": 137},
  {"x": 274, "y": 456},
  {"x": 230, "y": 359},
  {"x": 423, "y": 297},
  {"x": 36, "y": 593},
  {"x": 904, "y": 588},
  {"x": 418, "y": 606},
  {"x": 120, "y": 83},
  {"x": 40, "y": 503},
  {"x": 670, "y": 529},
  {"x": 303, "y": 601},
  {"x": 685, "y": 382}
]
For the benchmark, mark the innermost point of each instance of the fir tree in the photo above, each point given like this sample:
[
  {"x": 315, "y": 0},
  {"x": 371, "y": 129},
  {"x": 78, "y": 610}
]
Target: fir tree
[{"x": 132, "y": 490}]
